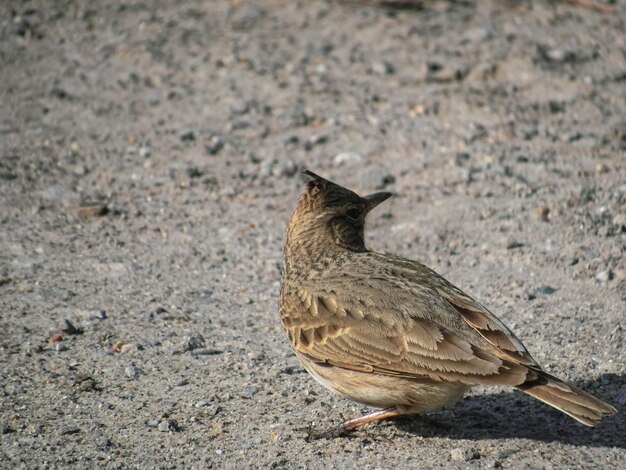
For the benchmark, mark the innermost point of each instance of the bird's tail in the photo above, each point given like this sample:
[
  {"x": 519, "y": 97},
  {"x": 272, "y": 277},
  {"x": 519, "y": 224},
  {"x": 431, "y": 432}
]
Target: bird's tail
[{"x": 572, "y": 401}]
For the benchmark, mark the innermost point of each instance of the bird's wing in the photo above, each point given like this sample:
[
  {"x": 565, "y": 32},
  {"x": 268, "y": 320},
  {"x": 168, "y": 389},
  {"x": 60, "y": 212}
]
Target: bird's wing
[
  {"x": 371, "y": 337},
  {"x": 505, "y": 343}
]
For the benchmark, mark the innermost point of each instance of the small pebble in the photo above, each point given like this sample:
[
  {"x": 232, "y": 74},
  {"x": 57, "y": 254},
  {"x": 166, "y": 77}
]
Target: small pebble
[
  {"x": 245, "y": 16},
  {"x": 555, "y": 55},
  {"x": 68, "y": 431},
  {"x": 387, "y": 180},
  {"x": 193, "y": 342},
  {"x": 290, "y": 370},
  {"x": 215, "y": 145},
  {"x": 168, "y": 425},
  {"x": 512, "y": 244},
  {"x": 461, "y": 158},
  {"x": 249, "y": 391},
  {"x": 217, "y": 428},
  {"x": 445, "y": 72},
  {"x": 604, "y": 276},
  {"x": 315, "y": 140},
  {"x": 240, "y": 107},
  {"x": 383, "y": 68},
  {"x": 90, "y": 211},
  {"x": 144, "y": 150},
  {"x": 60, "y": 346},
  {"x": 542, "y": 213},
  {"x": 602, "y": 168},
  {"x": 544, "y": 290},
  {"x": 129, "y": 348},
  {"x": 194, "y": 172},
  {"x": 131, "y": 372},
  {"x": 188, "y": 136},
  {"x": 478, "y": 34},
  {"x": 294, "y": 117},
  {"x": 6, "y": 429},
  {"x": 347, "y": 158},
  {"x": 68, "y": 327},
  {"x": 87, "y": 385},
  {"x": 620, "y": 221},
  {"x": 286, "y": 168},
  {"x": 464, "y": 455},
  {"x": 56, "y": 338},
  {"x": 207, "y": 352}
]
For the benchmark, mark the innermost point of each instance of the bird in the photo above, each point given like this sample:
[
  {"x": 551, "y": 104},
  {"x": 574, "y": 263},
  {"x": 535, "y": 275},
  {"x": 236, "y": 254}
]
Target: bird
[{"x": 389, "y": 332}]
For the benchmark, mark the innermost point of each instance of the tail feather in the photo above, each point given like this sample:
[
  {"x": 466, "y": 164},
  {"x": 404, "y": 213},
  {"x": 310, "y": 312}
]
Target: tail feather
[{"x": 572, "y": 401}]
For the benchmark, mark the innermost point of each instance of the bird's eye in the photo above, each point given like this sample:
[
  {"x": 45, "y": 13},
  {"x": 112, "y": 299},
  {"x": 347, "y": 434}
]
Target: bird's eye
[{"x": 353, "y": 214}]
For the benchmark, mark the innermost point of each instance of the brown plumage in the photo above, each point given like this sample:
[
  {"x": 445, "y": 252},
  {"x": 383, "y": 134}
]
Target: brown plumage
[{"x": 390, "y": 332}]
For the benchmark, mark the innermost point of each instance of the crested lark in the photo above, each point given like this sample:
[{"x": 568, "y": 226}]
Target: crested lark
[{"x": 390, "y": 332}]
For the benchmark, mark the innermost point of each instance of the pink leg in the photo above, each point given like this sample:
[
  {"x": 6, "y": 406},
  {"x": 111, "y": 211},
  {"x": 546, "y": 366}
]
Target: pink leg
[{"x": 353, "y": 424}]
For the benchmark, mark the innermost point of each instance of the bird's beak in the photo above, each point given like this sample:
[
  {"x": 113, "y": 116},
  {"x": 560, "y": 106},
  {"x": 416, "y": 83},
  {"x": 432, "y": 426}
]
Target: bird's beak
[{"x": 374, "y": 199}]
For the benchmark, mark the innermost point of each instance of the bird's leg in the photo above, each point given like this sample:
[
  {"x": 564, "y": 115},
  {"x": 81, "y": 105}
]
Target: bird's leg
[
  {"x": 353, "y": 424},
  {"x": 347, "y": 427}
]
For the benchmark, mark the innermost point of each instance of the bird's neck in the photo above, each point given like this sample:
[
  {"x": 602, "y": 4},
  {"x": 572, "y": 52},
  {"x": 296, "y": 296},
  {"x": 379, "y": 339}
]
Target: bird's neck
[{"x": 310, "y": 252}]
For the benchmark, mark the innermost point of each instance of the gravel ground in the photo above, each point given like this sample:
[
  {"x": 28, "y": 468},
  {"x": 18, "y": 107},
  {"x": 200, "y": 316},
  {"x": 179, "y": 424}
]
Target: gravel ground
[{"x": 150, "y": 155}]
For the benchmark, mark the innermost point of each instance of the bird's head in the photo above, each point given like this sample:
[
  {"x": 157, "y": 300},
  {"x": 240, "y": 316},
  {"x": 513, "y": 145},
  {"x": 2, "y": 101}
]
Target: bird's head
[{"x": 332, "y": 213}]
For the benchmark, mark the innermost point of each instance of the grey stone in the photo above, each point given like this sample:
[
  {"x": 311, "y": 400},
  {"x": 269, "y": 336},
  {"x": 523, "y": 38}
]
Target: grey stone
[{"x": 604, "y": 276}]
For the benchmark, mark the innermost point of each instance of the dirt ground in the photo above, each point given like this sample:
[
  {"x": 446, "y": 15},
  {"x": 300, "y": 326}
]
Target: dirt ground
[{"x": 150, "y": 155}]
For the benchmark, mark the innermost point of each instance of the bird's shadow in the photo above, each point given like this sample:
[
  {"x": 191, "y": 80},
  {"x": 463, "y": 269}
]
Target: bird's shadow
[{"x": 511, "y": 414}]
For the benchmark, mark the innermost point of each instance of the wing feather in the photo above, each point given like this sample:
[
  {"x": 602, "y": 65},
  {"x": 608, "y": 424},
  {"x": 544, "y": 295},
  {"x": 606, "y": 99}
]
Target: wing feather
[
  {"x": 504, "y": 342},
  {"x": 326, "y": 332}
]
